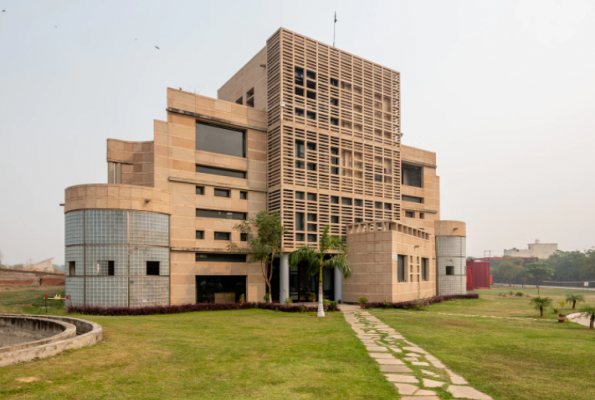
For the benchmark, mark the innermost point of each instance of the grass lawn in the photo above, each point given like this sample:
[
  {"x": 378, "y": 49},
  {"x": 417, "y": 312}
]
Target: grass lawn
[
  {"x": 507, "y": 359},
  {"x": 249, "y": 354}
]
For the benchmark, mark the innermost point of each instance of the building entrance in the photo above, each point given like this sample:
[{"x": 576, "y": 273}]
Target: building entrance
[
  {"x": 301, "y": 283},
  {"x": 220, "y": 288}
]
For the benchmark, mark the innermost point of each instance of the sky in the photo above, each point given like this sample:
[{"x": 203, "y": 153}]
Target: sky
[{"x": 502, "y": 91}]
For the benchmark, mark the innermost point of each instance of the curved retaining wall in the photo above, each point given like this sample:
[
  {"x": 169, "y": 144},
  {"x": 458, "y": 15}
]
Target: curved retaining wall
[
  {"x": 32, "y": 332},
  {"x": 71, "y": 333}
]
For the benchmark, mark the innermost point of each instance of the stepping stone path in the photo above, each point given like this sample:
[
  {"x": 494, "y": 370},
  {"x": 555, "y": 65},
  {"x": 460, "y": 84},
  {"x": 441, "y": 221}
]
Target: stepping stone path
[{"x": 396, "y": 356}]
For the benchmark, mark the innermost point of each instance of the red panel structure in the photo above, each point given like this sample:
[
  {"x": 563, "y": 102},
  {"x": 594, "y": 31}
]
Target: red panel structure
[
  {"x": 469, "y": 278},
  {"x": 481, "y": 274}
]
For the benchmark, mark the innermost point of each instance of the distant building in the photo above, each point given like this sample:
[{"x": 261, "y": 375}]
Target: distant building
[
  {"x": 539, "y": 250},
  {"x": 44, "y": 266}
]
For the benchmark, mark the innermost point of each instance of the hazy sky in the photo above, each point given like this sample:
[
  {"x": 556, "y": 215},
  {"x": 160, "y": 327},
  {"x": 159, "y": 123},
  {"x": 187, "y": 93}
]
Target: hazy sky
[{"x": 503, "y": 91}]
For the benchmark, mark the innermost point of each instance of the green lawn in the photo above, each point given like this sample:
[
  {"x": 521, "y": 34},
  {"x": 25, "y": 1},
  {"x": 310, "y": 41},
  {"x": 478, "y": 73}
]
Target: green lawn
[
  {"x": 507, "y": 359},
  {"x": 250, "y": 354}
]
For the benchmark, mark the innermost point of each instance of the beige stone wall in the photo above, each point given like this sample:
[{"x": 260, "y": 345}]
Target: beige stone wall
[
  {"x": 136, "y": 161},
  {"x": 371, "y": 251},
  {"x": 117, "y": 197},
  {"x": 176, "y": 158},
  {"x": 450, "y": 228},
  {"x": 252, "y": 76},
  {"x": 430, "y": 192},
  {"x": 539, "y": 250}
]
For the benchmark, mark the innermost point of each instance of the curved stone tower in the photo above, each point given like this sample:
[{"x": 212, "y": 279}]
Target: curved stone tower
[
  {"x": 451, "y": 252},
  {"x": 117, "y": 245}
]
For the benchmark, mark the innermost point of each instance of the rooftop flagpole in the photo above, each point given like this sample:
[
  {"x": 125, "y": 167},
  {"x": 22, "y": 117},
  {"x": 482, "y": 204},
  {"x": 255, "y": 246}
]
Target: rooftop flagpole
[{"x": 334, "y": 28}]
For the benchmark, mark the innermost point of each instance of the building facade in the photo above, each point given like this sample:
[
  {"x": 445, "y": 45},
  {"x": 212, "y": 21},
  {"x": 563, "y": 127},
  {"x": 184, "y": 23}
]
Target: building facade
[
  {"x": 539, "y": 250},
  {"x": 303, "y": 129}
]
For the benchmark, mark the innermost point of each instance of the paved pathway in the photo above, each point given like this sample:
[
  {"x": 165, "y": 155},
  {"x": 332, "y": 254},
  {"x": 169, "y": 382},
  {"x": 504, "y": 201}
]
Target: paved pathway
[
  {"x": 580, "y": 319},
  {"x": 396, "y": 356}
]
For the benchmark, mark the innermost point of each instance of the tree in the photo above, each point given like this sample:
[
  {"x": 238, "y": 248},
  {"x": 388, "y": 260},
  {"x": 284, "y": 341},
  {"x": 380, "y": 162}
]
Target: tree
[
  {"x": 508, "y": 270},
  {"x": 540, "y": 302},
  {"x": 589, "y": 312},
  {"x": 574, "y": 298},
  {"x": 331, "y": 253},
  {"x": 540, "y": 271},
  {"x": 265, "y": 245}
]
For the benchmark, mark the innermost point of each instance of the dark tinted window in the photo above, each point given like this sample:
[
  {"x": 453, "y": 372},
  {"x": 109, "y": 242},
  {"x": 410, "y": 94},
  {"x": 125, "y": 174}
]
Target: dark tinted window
[
  {"x": 299, "y": 112},
  {"x": 335, "y": 170},
  {"x": 346, "y": 201},
  {"x": 300, "y": 195},
  {"x": 388, "y": 206},
  {"x": 334, "y": 151},
  {"x": 299, "y": 237},
  {"x": 221, "y": 140},
  {"x": 411, "y": 175},
  {"x": 200, "y": 190},
  {"x": 300, "y": 149},
  {"x": 311, "y": 146},
  {"x": 311, "y": 227},
  {"x": 220, "y": 257},
  {"x": 378, "y": 178},
  {"x": 311, "y": 115},
  {"x": 200, "y": 235},
  {"x": 111, "y": 267},
  {"x": 220, "y": 288},
  {"x": 311, "y": 74},
  {"x": 334, "y": 199},
  {"x": 378, "y": 205},
  {"x": 221, "y": 193},
  {"x": 243, "y": 237},
  {"x": 311, "y": 95},
  {"x": 311, "y": 166},
  {"x": 311, "y": 238},
  {"x": 412, "y": 199},
  {"x": 450, "y": 270},
  {"x": 222, "y": 235},
  {"x": 221, "y": 171},
  {"x": 220, "y": 214},
  {"x": 311, "y": 85},
  {"x": 312, "y": 217},
  {"x": 409, "y": 214},
  {"x": 311, "y": 196},
  {"x": 243, "y": 195},
  {"x": 334, "y": 102},
  {"x": 299, "y": 222},
  {"x": 299, "y": 91},
  {"x": 152, "y": 267},
  {"x": 71, "y": 268},
  {"x": 359, "y": 203},
  {"x": 334, "y": 82},
  {"x": 334, "y": 219},
  {"x": 334, "y": 121},
  {"x": 401, "y": 268},
  {"x": 300, "y": 164},
  {"x": 299, "y": 76},
  {"x": 424, "y": 269}
]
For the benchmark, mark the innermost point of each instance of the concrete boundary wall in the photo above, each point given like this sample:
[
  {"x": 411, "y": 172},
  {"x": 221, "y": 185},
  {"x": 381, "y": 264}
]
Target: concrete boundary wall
[
  {"x": 39, "y": 331},
  {"x": 82, "y": 333}
]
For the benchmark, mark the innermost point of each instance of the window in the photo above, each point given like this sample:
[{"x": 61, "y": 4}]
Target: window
[
  {"x": 424, "y": 269},
  {"x": 311, "y": 115},
  {"x": 409, "y": 214},
  {"x": 388, "y": 206},
  {"x": 106, "y": 267},
  {"x": 220, "y": 257},
  {"x": 221, "y": 193},
  {"x": 359, "y": 203},
  {"x": 300, "y": 195},
  {"x": 334, "y": 102},
  {"x": 335, "y": 170},
  {"x": 358, "y": 220},
  {"x": 217, "y": 139},
  {"x": 311, "y": 166},
  {"x": 377, "y": 178},
  {"x": 299, "y": 76},
  {"x": 299, "y": 112},
  {"x": 334, "y": 219},
  {"x": 240, "y": 100},
  {"x": 310, "y": 75},
  {"x": 334, "y": 82},
  {"x": 200, "y": 235},
  {"x": 401, "y": 268},
  {"x": 300, "y": 164},
  {"x": 300, "y": 223},
  {"x": 421, "y": 216},
  {"x": 221, "y": 171},
  {"x": 312, "y": 217},
  {"x": 222, "y": 235},
  {"x": 346, "y": 201},
  {"x": 311, "y": 196},
  {"x": 335, "y": 160},
  {"x": 378, "y": 205},
  {"x": 200, "y": 190},
  {"x": 334, "y": 151},
  {"x": 300, "y": 237},
  {"x": 243, "y": 237},
  {"x": 412, "y": 199},
  {"x": 311, "y": 237},
  {"x": 450, "y": 270},
  {"x": 250, "y": 98},
  {"x": 111, "y": 268},
  {"x": 311, "y": 95},
  {"x": 71, "y": 268},
  {"x": 152, "y": 267},
  {"x": 334, "y": 199},
  {"x": 201, "y": 213},
  {"x": 243, "y": 195},
  {"x": 311, "y": 227},
  {"x": 299, "y": 91},
  {"x": 411, "y": 175},
  {"x": 300, "y": 151},
  {"x": 334, "y": 121},
  {"x": 311, "y": 146},
  {"x": 311, "y": 85}
]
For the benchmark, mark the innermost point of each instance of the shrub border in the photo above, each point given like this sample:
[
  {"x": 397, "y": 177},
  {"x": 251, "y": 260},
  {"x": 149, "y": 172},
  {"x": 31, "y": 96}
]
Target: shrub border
[
  {"x": 428, "y": 301},
  {"x": 185, "y": 308}
]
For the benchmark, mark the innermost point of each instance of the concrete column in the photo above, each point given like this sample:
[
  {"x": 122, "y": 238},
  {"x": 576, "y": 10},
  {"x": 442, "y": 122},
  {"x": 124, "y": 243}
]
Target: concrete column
[
  {"x": 284, "y": 278},
  {"x": 338, "y": 285}
]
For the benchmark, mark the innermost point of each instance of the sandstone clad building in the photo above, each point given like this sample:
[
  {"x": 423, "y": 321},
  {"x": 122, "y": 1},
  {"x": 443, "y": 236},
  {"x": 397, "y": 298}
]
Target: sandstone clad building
[{"x": 303, "y": 129}]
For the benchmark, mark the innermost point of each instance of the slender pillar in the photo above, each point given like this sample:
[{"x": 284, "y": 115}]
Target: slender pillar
[
  {"x": 284, "y": 278},
  {"x": 338, "y": 285}
]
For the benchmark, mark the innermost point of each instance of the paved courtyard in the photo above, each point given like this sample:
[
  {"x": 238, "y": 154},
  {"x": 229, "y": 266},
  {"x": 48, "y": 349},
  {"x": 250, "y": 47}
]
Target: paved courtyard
[{"x": 416, "y": 373}]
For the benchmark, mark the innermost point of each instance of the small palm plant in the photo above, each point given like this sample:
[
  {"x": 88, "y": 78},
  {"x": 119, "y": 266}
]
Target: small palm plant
[
  {"x": 562, "y": 305},
  {"x": 540, "y": 303},
  {"x": 331, "y": 253},
  {"x": 589, "y": 312},
  {"x": 575, "y": 298}
]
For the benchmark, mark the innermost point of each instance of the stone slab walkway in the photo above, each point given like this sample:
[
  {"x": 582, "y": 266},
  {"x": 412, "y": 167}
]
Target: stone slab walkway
[{"x": 399, "y": 360}]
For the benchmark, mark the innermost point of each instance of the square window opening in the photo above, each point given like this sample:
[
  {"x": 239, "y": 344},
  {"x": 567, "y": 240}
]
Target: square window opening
[
  {"x": 152, "y": 267},
  {"x": 222, "y": 235},
  {"x": 200, "y": 235},
  {"x": 450, "y": 270}
]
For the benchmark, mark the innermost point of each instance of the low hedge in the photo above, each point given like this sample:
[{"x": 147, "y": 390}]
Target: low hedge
[
  {"x": 428, "y": 301},
  {"x": 184, "y": 308}
]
